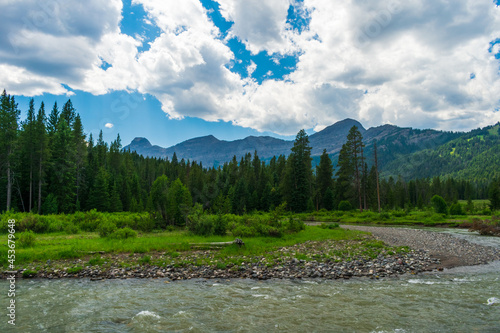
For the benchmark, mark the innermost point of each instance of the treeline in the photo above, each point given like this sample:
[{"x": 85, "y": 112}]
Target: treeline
[{"x": 49, "y": 166}]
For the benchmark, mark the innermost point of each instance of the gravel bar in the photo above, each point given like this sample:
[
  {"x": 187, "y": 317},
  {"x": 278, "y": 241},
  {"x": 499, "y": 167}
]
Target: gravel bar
[{"x": 450, "y": 250}]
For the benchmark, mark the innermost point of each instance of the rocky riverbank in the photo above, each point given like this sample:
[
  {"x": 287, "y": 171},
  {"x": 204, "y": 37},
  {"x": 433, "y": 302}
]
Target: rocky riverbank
[
  {"x": 412, "y": 262},
  {"x": 451, "y": 251},
  {"x": 388, "y": 252},
  {"x": 330, "y": 259}
]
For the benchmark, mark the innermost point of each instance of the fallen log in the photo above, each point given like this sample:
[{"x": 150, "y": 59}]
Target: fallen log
[{"x": 237, "y": 241}]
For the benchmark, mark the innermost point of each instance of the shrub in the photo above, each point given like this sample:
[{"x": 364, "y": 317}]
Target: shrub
[
  {"x": 145, "y": 223},
  {"x": 439, "y": 205},
  {"x": 27, "y": 239},
  {"x": 329, "y": 226},
  {"x": 71, "y": 229},
  {"x": 345, "y": 206},
  {"x": 385, "y": 216},
  {"x": 244, "y": 231},
  {"x": 456, "y": 209},
  {"x": 220, "y": 225},
  {"x": 295, "y": 225},
  {"x": 123, "y": 234},
  {"x": 106, "y": 228},
  {"x": 36, "y": 223},
  {"x": 88, "y": 221}
]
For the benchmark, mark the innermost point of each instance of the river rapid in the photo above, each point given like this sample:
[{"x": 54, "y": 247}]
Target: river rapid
[{"x": 463, "y": 299}]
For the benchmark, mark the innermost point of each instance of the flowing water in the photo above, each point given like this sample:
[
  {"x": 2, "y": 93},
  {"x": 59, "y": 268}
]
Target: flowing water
[{"x": 465, "y": 299}]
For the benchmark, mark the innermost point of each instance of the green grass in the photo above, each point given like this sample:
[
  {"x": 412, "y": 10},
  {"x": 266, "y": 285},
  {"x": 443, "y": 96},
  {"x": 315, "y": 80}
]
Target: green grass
[{"x": 62, "y": 246}]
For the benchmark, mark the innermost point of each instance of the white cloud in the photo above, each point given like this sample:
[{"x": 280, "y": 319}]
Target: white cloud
[
  {"x": 109, "y": 125},
  {"x": 403, "y": 62}
]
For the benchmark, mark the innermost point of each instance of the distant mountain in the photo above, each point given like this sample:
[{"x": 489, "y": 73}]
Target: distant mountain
[{"x": 392, "y": 141}]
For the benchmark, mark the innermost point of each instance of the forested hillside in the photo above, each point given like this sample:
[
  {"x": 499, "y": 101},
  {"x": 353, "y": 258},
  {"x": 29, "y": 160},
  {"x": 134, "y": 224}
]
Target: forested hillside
[{"x": 473, "y": 156}]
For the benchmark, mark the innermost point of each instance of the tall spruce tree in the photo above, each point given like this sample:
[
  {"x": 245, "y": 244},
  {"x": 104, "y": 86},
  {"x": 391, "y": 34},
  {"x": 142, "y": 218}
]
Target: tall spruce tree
[
  {"x": 9, "y": 118},
  {"x": 324, "y": 181},
  {"x": 41, "y": 151},
  {"x": 297, "y": 182},
  {"x": 355, "y": 143}
]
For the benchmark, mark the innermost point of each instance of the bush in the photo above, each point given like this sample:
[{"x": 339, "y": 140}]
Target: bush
[
  {"x": 220, "y": 227},
  {"x": 88, "y": 221},
  {"x": 71, "y": 229},
  {"x": 385, "y": 216},
  {"x": 345, "y": 206},
  {"x": 27, "y": 239},
  {"x": 456, "y": 209},
  {"x": 244, "y": 231},
  {"x": 329, "y": 226},
  {"x": 439, "y": 205},
  {"x": 295, "y": 225},
  {"x": 106, "y": 228},
  {"x": 123, "y": 234},
  {"x": 36, "y": 223}
]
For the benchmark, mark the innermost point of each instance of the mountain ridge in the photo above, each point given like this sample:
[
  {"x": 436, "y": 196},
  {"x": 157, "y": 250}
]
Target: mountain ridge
[{"x": 392, "y": 141}]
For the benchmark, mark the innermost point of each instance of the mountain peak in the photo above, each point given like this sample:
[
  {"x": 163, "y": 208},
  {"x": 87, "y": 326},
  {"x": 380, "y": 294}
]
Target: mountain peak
[
  {"x": 345, "y": 124},
  {"x": 143, "y": 142}
]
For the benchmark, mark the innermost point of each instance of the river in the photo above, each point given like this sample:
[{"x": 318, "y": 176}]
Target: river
[{"x": 464, "y": 299}]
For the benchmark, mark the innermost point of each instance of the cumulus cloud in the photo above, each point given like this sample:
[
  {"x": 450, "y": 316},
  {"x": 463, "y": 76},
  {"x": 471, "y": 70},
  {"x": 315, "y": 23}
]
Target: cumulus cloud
[
  {"x": 411, "y": 63},
  {"x": 109, "y": 125}
]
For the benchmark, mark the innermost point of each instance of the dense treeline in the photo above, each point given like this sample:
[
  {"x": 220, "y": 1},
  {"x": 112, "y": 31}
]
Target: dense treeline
[{"x": 48, "y": 165}]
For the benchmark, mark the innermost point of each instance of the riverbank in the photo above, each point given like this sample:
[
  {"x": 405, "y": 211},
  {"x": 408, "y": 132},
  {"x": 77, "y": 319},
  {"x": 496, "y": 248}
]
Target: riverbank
[
  {"x": 450, "y": 250},
  {"x": 382, "y": 254},
  {"x": 387, "y": 263}
]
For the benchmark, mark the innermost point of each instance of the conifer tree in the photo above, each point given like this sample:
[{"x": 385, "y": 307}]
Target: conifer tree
[
  {"x": 9, "y": 117},
  {"x": 324, "y": 181},
  {"x": 41, "y": 151},
  {"x": 298, "y": 175}
]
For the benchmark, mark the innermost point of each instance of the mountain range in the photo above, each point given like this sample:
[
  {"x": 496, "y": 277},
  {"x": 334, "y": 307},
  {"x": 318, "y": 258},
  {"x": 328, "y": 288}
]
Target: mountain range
[{"x": 392, "y": 141}]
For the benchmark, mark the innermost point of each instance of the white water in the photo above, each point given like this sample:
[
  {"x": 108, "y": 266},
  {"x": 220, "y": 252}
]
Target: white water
[{"x": 464, "y": 299}]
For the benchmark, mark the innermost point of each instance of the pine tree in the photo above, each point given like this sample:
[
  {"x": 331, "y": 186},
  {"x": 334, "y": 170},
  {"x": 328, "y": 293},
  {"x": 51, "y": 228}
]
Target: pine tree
[
  {"x": 344, "y": 190},
  {"x": 324, "y": 183},
  {"x": 63, "y": 169},
  {"x": 99, "y": 197},
  {"x": 159, "y": 196},
  {"x": 80, "y": 155},
  {"x": 376, "y": 174},
  {"x": 26, "y": 150},
  {"x": 68, "y": 113},
  {"x": 179, "y": 200},
  {"x": 42, "y": 153},
  {"x": 298, "y": 177},
  {"x": 355, "y": 143},
  {"x": 9, "y": 117}
]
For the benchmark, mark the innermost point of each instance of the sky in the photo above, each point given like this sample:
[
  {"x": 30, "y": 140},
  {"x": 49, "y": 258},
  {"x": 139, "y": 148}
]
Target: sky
[{"x": 172, "y": 70}]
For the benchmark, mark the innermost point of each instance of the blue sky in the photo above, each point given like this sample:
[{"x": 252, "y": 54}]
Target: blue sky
[{"x": 170, "y": 70}]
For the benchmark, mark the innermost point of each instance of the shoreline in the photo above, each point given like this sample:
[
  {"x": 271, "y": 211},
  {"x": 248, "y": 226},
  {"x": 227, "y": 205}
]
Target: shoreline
[{"x": 429, "y": 251}]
